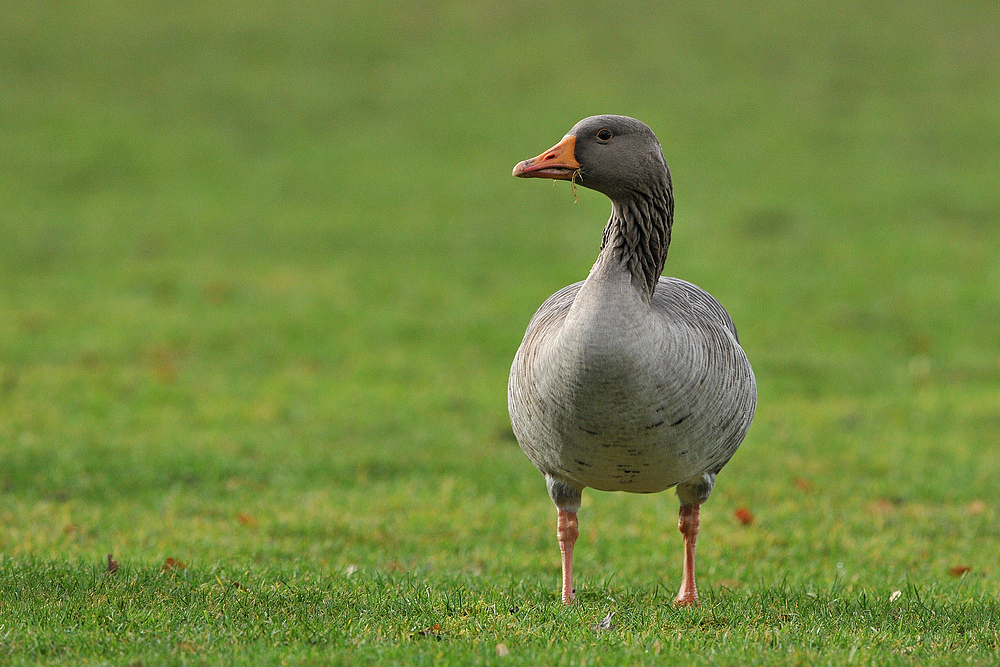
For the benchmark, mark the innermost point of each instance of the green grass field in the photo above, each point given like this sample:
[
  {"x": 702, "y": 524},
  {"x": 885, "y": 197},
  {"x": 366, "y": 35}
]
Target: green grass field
[{"x": 264, "y": 269}]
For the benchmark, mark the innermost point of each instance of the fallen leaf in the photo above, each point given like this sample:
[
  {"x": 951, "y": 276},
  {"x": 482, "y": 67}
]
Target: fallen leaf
[
  {"x": 975, "y": 507},
  {"x": 434, "y": 631},
  {"x": 246, "y": 519},
  {"x": 895, "y": 596},
  {"x": 959, "y": 570},
  {"x": 803, "y": 484},
  {"x": 502, "y": 650},
  {"x": 112, "y": 564},
  {"x": 744, "y": 515},
  {"x": 884, "y": 505},
  {"x": 173, "y": 564}
]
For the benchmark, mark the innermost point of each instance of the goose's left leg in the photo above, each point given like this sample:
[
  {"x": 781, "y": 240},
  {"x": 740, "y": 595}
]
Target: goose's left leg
[
  {"x": 687, "y": 522},
  {"x": 692, "y": 494}
]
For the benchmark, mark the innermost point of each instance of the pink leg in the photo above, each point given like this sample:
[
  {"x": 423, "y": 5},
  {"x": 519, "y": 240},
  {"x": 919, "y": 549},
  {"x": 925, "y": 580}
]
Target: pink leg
[
  {"x": 688, "y": 522},
  {"x": 567, "y": 529}
]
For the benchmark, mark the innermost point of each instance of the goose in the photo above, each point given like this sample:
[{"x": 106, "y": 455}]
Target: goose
[{"x": 627, "y": 381}]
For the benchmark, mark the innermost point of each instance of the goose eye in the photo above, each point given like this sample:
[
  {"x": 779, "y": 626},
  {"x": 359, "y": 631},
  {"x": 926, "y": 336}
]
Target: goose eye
[{"x": 604, "y": 134}]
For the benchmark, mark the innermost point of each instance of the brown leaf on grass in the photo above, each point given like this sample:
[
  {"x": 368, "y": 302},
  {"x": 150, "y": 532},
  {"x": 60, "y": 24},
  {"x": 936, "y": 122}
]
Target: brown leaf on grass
[
  {"x": 803, "y": 484},
  {"x": 246, "y": 520},
  {"x": 959, "y": 570},
  {"x": 112, "y": 564},
  {"x": 884, "y": 505},
  {"x": 502, "y": 650},
  {"x": 975, "y": 507},
  {"x": 743, "y": 515},
  {"x": 172, "y": 564}
]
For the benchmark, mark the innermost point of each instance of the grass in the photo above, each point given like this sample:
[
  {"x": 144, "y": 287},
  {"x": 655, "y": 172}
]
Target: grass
[
  {"x": 246, "y": 618},
  {"x": 264, "y": 270}
]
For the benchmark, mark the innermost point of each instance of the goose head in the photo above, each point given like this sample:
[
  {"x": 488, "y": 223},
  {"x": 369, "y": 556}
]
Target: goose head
[{"x": 615, "y": 155}]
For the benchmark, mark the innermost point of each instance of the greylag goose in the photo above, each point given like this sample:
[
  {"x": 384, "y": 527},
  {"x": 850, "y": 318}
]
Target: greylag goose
[{"x": 627, "y": 381}]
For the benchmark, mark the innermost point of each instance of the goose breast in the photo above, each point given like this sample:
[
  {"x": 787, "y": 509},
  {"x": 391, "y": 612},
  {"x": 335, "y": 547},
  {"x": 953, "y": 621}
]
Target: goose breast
[{"x": 632, "y": 398}]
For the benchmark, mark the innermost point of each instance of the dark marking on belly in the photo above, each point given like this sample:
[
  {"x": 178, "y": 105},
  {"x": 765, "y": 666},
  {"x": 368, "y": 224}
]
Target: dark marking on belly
[
  {"x": 583, "y": 463},
  {"x": 587, "y": 430},
  {"x": 681, "y": 419},
  {"x": 659, "y": 423}
]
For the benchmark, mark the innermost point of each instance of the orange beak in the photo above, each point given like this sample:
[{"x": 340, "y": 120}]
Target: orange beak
[{"x": 558, "y": 163}]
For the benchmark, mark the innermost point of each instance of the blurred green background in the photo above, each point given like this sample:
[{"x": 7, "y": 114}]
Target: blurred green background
[{"x": 266, "y": 260}]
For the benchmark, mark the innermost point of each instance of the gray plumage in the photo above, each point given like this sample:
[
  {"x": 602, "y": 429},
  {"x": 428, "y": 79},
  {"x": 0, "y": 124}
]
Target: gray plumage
[{"x": 628, "y": 381}]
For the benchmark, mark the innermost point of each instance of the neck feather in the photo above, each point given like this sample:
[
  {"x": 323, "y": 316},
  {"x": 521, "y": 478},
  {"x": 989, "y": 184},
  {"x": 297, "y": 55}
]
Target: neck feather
[{"x": 638, "y": 234}]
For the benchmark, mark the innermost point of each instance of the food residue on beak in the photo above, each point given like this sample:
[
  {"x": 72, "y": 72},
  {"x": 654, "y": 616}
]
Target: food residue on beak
[{"x": 558, "y": 163}]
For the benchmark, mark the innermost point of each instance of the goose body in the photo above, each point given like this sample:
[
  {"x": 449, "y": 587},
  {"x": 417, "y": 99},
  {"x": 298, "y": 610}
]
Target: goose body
[
  {"x": 628, "y": 381},
  {"x": 626, "y": 397}
]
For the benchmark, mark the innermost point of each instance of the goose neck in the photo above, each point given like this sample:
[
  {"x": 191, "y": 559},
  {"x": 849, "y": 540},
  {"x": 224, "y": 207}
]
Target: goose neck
[{"x": 637, "y": 236}]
